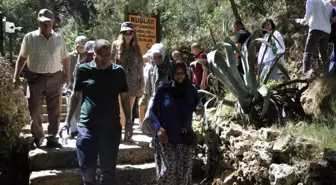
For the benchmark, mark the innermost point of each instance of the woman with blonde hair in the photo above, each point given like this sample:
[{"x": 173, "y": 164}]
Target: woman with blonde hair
[{"x": 126, "y": 52}]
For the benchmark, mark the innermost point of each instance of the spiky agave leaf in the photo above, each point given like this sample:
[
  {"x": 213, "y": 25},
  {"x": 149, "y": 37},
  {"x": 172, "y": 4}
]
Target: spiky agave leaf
[
  {"x": 265, "y": 93},
  {"x": 276, "y": 64},
  {"x": 224, "y": 101},
  {"x": 219, "y": 67}
]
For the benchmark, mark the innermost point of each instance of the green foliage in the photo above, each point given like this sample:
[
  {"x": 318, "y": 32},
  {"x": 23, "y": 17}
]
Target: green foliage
[
  {"x": 13, "y": 109},
  {"x": 254, "y": 98}
]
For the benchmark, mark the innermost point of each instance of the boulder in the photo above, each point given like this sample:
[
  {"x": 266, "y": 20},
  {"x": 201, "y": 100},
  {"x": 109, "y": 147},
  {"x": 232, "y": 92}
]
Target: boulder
[
  {"x": 281, "y": 174},
  {"x": 283, "y": 144}
]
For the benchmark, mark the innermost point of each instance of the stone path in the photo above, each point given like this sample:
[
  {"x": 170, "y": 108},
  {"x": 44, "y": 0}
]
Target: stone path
[{"x": 59, "y": 166}]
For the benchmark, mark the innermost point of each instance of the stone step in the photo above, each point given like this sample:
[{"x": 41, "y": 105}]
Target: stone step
[
  {"x": 136, "y": 152},
  {"x": 144, "y": 174},
  {"x": 26, "y": 129},
  {"x": 125, "y": 174},
  {"x": 64, "y": 100},
  {"x": 45, "y": 117},
  {"x": 63, "y": 109}
]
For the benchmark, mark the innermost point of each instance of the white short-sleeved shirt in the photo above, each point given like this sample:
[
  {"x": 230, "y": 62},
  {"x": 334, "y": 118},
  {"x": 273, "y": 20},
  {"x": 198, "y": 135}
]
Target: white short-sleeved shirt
[{"x": 43, "y": 55}]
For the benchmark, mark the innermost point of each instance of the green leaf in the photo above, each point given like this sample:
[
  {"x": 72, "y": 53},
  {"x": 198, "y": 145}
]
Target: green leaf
[
  {"x": 224, "y": 101},
  {"x": 212, "y": 35},
  {"x": 265, "y": 93},
  {"x": 280, "y": 67},
  {"x": 218, "y": 66}
]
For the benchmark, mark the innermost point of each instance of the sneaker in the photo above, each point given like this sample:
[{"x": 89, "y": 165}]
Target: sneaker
[
  {"x": 73, "y": 134},
  {"x": 37, "y": 143}
]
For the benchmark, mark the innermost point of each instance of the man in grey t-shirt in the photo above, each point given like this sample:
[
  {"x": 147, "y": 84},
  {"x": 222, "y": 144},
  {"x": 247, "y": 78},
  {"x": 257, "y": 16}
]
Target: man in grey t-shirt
[{"x": 76, "y": 56}]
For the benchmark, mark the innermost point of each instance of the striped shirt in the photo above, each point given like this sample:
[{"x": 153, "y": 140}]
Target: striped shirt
[{"x": 43, "y": 55}]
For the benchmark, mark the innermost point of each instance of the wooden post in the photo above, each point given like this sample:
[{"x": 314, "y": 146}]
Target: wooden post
[{"x": 2, "y": 36}]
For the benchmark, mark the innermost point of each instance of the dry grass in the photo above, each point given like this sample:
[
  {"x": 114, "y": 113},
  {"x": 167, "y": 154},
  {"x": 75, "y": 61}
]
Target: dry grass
[
  {"x": 320, "y": 97},
  {"x": 324, "y": 133}
]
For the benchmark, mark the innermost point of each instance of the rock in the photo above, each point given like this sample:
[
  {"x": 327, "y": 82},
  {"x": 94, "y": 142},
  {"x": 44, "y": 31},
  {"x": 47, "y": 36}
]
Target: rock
[
  {"x": 283, "y": 144},
  {"x": 233, "y": 178},
  {"x": 330, "y": 156},
  {"x": 268, "y": 134},
  {"x": 231, "y": 129},
  {"x": 321, "y": 173},
  {"x": 264, "y": 149},
  {"x": 238, "y": 145},
  {"x": 281, "y": 174},
  {"x": 305, "y": 148},
  {"x": 253, "y": 172}
]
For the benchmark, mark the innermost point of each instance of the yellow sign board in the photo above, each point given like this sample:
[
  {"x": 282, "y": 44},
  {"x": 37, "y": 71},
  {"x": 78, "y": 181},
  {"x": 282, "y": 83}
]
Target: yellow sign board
[{"x": 145, "y": 28}]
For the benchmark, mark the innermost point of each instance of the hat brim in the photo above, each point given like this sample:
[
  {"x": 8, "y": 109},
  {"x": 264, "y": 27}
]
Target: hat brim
[
  {"x": 44, "y": 19},
  {"x": 125, "y": 29}
]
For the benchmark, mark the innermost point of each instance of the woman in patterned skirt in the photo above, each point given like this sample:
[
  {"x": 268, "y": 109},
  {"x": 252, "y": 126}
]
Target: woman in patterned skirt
[
  {"x": 171, "y": 115},
  {"x": 126, "y": 52}
]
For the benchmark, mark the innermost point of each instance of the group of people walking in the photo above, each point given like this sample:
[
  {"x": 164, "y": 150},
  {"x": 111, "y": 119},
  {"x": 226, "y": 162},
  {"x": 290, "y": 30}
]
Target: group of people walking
[{"x": 106, "y": 78}]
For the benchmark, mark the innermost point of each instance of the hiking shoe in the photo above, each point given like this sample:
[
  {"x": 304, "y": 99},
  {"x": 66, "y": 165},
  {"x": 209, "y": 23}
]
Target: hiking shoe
[
  {"x": 73, "y": 134},
  {"x": 37, "y": 143},
  {"x": 52, "y": 142}
]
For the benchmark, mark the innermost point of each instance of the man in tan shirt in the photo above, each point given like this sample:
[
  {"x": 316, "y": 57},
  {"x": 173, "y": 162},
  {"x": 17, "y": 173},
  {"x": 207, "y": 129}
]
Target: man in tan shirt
[{"x": 45, "y": 53}]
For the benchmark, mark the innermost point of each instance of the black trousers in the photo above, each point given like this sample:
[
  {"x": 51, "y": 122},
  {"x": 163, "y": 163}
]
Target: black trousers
[
  {"x": 90, "y": 144},
  {"x": 316, "y": 39}
]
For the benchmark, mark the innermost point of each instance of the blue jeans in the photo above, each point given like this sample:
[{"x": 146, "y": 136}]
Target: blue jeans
[
  {"x": 266, "y": 67},
  {"x": 90, "y": 144}
]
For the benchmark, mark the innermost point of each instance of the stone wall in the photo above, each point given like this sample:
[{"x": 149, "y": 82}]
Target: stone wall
[{"x": 235, "y": 155}]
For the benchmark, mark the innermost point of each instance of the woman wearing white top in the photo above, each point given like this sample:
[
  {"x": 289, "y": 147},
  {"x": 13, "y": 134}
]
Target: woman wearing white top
[{"x": 278, "y": 47}]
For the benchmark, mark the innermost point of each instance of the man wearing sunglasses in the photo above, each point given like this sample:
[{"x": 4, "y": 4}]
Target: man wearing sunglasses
[{"x": 47, "y": 60}]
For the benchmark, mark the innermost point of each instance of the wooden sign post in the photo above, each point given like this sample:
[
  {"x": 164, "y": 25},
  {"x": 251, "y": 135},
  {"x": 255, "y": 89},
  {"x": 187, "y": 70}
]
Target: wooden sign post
[{"x": 147, "y": 29}]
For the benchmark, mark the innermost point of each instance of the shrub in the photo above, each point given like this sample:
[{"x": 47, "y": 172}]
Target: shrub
[{"x": 14, "y": 112}]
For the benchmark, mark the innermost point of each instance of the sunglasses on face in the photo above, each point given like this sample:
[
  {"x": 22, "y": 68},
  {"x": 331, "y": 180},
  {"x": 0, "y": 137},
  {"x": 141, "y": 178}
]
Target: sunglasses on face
[{"x": 128, "y": 33}]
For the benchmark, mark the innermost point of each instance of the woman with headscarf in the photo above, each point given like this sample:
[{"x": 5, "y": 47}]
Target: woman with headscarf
[
  {"x": 267, "y": 55},
  {"x": 158, "y": 71},
  {"x": 174, "y": 138},
  {"x": 126, "y": 52}
]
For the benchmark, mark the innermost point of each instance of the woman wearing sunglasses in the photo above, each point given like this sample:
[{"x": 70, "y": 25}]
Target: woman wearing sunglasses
[{"x": 126, "y": 52}]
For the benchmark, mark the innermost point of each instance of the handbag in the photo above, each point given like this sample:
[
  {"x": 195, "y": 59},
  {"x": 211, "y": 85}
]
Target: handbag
[
  {"x": 188, "y": 137},
  {"x": 146, "y": 126}
]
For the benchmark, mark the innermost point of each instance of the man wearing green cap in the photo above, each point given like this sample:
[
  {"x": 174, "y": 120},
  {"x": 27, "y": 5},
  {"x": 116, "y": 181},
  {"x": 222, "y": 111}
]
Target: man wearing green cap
[{"x": 45, "y": 53}]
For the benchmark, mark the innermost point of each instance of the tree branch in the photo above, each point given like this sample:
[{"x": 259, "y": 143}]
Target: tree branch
[{"x": 235, "y": 10}]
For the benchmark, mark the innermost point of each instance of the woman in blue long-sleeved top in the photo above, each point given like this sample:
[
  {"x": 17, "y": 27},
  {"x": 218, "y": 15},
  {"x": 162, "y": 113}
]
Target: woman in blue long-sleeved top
[{"x": 171, "y": 113}]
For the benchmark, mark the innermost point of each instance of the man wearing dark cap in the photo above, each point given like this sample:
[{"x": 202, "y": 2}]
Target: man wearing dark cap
[
  {"x": 88, "y": 57},
  {"x": 89, "y": 52},
  {"x": 241, "y": 36},
  {"x": 98, "y": 84},
  {"x": 47, "y": 60}
]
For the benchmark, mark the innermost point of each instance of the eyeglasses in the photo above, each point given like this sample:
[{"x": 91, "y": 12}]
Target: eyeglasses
[{"x": 128, "y": 33}]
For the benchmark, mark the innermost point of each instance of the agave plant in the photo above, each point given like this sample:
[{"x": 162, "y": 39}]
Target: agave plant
[{"x": 258, "y": 102}]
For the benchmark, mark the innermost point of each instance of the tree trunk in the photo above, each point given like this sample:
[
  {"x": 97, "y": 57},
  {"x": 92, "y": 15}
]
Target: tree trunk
[{"x": 235, "y": 10}]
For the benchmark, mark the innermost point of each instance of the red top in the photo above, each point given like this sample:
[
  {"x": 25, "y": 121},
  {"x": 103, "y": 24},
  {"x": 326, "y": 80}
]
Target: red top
[{"x": 198, "y": 74}]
